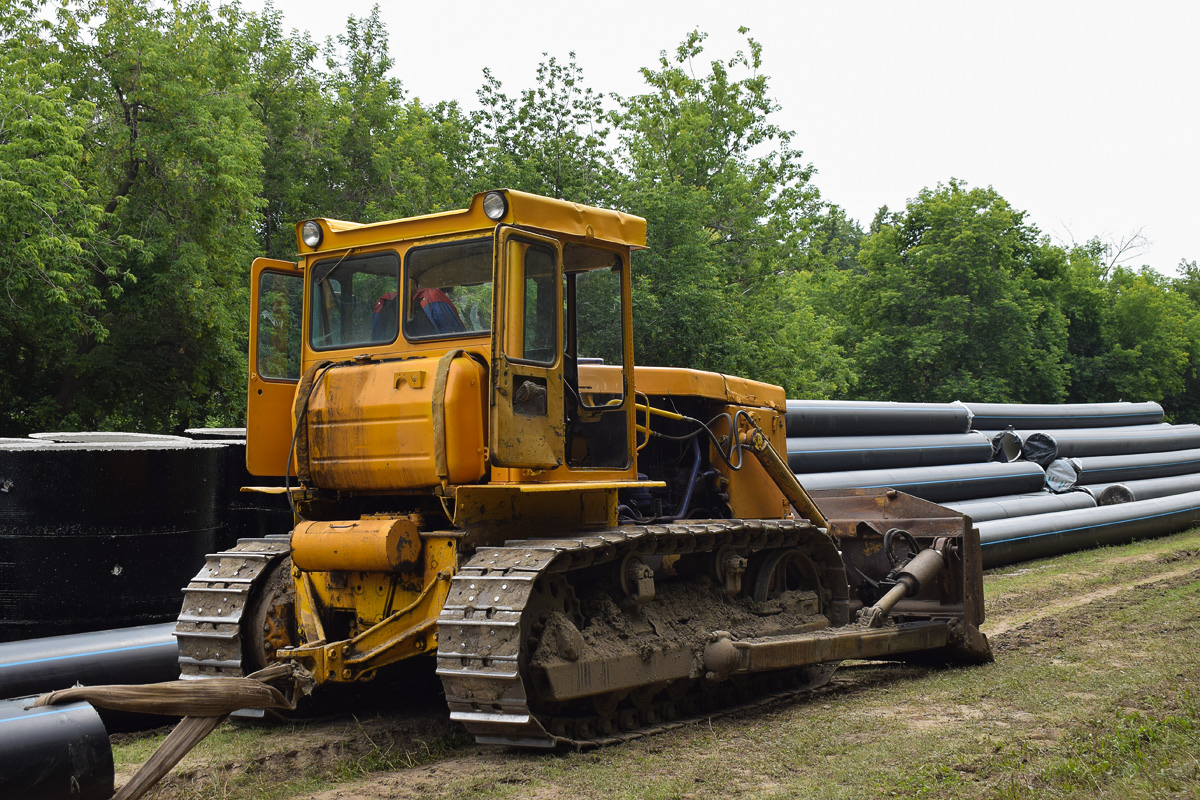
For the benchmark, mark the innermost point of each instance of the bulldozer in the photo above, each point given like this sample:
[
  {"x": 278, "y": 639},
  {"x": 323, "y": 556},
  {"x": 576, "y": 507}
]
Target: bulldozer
[{"x": 587, "y": 550}]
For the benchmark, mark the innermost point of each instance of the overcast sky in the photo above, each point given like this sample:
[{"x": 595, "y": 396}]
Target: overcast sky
[{"x": 1083, "y": 114}]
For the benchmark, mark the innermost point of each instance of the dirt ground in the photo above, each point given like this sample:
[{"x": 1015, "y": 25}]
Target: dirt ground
[{"x": 1078, "y": 641}]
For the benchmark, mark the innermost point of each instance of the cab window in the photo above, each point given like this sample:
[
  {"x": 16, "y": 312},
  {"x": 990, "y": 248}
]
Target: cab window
[
  {"x": 355, "y": 301},
  {"x": 448, "y": 290},
  {"x": 280, "y": 312}
]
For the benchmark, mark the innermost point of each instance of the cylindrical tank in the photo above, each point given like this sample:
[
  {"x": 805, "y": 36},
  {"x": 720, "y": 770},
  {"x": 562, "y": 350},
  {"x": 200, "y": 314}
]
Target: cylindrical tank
[
  {"x": 833, "y": 453},
  {"x": 102, "y": 535},
  {"x": 105, "y": 437},
  {"x": 247, "y": 514},
  {"x": 938, "y": 484},
  {"x": 217, "y": 434},
  {"x": 53, "y": 753},
  {"x": 865, "y": 418}
]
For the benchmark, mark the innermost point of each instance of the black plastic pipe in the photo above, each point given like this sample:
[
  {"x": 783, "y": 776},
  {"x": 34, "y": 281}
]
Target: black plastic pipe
[
  {"x": 53, "y": 753},
  {"x": 1033, "y": 416},
  {"x": 1007, "y": 541},
  {"x": 144, "y": 654},
  {"x": 1140, "y": 466},
  {"x": 1022, "y": 505},
  {"x": 1006, "y": 445},
  {"x": 1042, "y": 447},
  {"x": 834, "y": 453},
  {"x": 1063, "y": 474},
  {"x": 865, "y": 418},
  {"x": 1108, "y": 494},
  {"x": 937, "y": 484}
]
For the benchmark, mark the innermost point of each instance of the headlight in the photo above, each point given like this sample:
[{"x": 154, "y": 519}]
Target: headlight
[
  {"x": 495, "y": 205},
  {"x": 310, "y": 233}
]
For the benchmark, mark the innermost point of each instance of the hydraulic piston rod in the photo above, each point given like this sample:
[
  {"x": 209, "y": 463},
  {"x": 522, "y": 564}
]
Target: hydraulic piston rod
[{"x": 775, "y": 465}]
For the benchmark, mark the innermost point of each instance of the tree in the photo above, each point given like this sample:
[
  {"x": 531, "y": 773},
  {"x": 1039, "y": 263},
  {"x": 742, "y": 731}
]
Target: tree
[
  {"x": 550, "y": 140},
  {"x": 287, "y": 98},
  {"x": 362, "y": 117},
  {"x": 172, "y": 154},
  {"x": 957, "y": 302},
  {"x": 62, "y": 265},
  {"x": 731, "y": 212}
]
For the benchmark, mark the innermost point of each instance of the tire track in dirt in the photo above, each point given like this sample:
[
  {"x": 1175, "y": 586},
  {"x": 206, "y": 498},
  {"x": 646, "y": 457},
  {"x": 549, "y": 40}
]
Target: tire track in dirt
[{"x": 998, "y": 625}]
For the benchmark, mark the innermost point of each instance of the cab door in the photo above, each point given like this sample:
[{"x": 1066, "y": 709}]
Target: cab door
[
  {"x": 526, "y": 417},
  {"x": 276, "y": 319}
]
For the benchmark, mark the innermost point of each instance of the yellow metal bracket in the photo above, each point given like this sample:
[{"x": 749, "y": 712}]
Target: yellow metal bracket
[
  {"x": 564, "y": 505},
  {"x": 408, "y": 632},
  {"x": 415, "y": 379}
]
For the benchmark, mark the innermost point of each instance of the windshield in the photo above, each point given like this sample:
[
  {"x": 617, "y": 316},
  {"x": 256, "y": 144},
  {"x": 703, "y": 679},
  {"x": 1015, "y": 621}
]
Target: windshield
[
  {"x": 355, "y": 301},
  {"x": 448, "y": 290}
]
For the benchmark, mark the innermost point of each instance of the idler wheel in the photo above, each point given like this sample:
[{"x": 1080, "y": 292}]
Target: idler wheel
[
  {"x": 786, "y": 571},
  {"x": 270, "y": 621}
]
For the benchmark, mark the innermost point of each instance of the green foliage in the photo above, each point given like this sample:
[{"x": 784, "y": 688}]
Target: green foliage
[
  {"x": 730, "y": 208},
  {"x": 549, "y": 140},
  {"x": 957, "y": 303},
  {"x": 150, "y": 151},
  {"x": 288, "y": 101},
  {"x": 1134, "y": 334}
]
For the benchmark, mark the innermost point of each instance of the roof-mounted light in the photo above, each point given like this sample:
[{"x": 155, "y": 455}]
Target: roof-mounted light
[
  {"x": 310, "y": 233},
  {"x": 495, "y": 205}
]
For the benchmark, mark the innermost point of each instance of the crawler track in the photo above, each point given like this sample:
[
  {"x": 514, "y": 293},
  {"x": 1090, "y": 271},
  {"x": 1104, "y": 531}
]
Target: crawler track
[
  {"x": 499, "y": 606},
  {"x": 210, "y": 628}
]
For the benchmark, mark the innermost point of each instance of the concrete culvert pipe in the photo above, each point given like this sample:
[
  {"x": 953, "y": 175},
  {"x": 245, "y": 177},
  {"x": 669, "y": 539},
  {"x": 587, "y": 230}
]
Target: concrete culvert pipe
[
  {"x": 96, "y": 536},
  {"x": 1137, "y": 467},
  {"x": 1035, "y": 416},
  {"x": 1042, "y": 447},
  {"x": 57, "y": 753},
  {"x": 1007, "y": 541},
  {"x": 833, "y": 453},
  {"x": 938, "y": 484},
  {"x": 865, "y": 418},
  {"x": 1022, "y": 505}
]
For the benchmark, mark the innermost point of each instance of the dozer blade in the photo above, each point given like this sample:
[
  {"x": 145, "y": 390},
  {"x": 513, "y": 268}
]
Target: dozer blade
[{"x": 861, "y": 519}]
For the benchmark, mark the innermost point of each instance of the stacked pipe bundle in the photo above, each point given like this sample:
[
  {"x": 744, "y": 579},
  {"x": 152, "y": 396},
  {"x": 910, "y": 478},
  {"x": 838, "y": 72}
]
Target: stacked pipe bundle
[
  {"x": 996, "y": 462},
  {"x": 925, "y": 449}
]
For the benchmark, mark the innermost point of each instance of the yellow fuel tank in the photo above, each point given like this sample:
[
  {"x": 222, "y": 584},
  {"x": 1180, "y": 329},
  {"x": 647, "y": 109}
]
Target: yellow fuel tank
[{"x": 371, "y": 426}]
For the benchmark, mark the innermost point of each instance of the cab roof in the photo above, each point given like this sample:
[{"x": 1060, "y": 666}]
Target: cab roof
[{"x": 523, "y": 209}]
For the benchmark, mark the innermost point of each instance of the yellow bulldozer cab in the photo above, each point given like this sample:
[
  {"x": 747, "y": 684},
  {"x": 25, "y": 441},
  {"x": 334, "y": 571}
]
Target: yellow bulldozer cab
[{"x": 490, "y": 342}]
